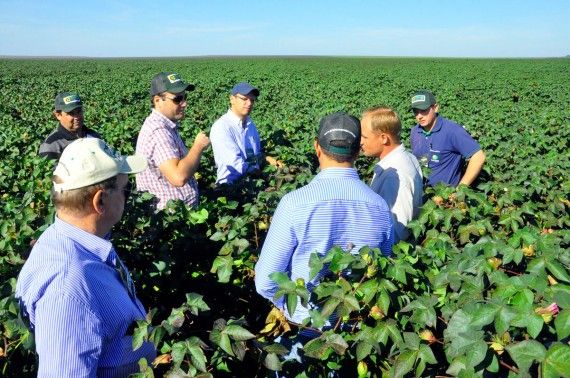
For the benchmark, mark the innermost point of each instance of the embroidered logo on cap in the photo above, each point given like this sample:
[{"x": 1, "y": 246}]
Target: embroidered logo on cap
[
  {"x": 418, "y": 98},
  {"x": 173, "y": 78},
  {"x": 70, "y": 99}
]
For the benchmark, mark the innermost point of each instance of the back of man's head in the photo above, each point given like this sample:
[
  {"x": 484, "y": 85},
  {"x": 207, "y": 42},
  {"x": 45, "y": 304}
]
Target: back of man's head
[
  {"x": 339, "y": 137},
  {"x": 87, "y": 165}
]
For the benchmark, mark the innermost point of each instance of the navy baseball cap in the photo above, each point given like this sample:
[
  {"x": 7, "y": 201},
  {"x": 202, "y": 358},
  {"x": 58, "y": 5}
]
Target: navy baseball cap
[
  {"x": 339, "y": 133},
  {"x": 244, "y": 89}
]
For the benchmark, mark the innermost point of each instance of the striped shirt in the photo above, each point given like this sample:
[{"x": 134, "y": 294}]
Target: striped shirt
[
  {"x": 78, "y": 306},
  {"x": 55, "y": 143},
  {"x": 236, "y": 147},
  {"x": 160, "y": 141},
  {"x": 334, "y": 209},
  {"x": 398, "y": 179}
]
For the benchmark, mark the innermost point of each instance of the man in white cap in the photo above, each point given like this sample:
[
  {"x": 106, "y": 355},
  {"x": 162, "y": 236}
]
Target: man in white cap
[
  {"x": 235, "y": 140},
  {"x": 77, "y": 294}
]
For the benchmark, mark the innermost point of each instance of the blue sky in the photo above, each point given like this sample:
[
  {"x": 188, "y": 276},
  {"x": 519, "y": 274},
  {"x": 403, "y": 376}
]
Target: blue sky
[{"x": 439, "y": 28}]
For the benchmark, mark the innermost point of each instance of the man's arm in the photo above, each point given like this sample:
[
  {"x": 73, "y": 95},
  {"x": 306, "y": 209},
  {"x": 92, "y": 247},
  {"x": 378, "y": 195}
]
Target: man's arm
[
  {"x": 69, "y": 338},
  {"x": 473, "y": 168},
  {"x": 179, "y": 171},
  {"x": 276, "y": 254}
]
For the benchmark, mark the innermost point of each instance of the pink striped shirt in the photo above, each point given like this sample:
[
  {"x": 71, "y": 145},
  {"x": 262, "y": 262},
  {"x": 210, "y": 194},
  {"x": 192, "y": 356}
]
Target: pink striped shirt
[{"x": 160, "y": 141}]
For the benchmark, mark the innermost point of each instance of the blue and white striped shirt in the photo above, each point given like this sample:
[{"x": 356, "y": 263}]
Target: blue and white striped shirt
[
  {"x": 236, "y": 147},
  {"x": 335, "y": 209},
  {"x": 78, "y": 306}
]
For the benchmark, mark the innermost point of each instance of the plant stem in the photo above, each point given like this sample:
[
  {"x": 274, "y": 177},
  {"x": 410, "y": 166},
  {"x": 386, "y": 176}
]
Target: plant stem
[{"x": 511, "y": 368}]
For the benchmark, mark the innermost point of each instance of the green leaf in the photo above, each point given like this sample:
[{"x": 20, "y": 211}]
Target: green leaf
[
  {"x": 223, "y": 265},
  {"x": 426, "y": 354},
  {"x": 140, "y": 334},
  {"x": 405, "y": 363},
  {"x": 197, "y": 357},
  {"x": 239, "y": 333},
  {"x": 558, "y": 271},
  {"x": 280, "y": 278},
  {"x": 562, "y": 324},
  {"x": 557, "y": 362},
  {"x": 178, "y": 353},
  {"x": 272, "y": 362},
  {"x": 315, "y": 265},
  {"x": 291, "y": 303},
  {"x": 276, "y": 348},
  {"x": 525, "y": 353},
  {"x": 196, "y": 303}
]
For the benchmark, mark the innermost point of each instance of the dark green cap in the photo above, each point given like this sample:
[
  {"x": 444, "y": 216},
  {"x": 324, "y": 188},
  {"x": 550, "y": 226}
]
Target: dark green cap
[
  {"x": 423, "y": 100},
  {"x": 169, "y": 82},
  {"x": 67, "y": 101}
]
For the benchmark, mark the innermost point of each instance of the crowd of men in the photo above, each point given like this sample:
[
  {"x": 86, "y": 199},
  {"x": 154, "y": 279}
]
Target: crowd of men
[{"x": 79, "y": 297}]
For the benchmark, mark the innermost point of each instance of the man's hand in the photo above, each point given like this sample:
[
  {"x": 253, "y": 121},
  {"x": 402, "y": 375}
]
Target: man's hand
[{"x": 202, "y": 141}]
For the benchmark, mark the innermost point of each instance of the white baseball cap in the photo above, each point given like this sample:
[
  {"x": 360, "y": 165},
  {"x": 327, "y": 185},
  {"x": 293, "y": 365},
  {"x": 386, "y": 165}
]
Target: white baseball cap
[{"x": 88, "y": 161}]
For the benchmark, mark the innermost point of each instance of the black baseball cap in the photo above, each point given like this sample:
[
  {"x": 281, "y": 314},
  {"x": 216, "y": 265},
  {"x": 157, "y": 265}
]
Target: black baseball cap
[
  {"x": 169, "y": 82},
  {"x": 339, "y": 133}
]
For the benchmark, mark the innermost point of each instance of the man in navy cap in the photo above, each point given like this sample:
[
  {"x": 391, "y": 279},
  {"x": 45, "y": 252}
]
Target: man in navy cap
[
  {"x": 234, "y": 137},
  {"x": 334, "y": 209},
  {"x": 443, "y": 145},
  {"x": 68, "y": 110}
]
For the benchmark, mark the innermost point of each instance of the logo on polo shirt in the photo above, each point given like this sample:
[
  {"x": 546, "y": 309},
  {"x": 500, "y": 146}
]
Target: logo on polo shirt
[
  {"x": 173, "y": 78},
  {"x": 418, "y": 98},
  {"x": 70, "y": 99}
]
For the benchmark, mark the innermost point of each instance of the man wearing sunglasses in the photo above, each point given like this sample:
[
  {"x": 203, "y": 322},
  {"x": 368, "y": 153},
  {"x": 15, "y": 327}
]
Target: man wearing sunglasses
[
  {"x": 69, "y": 113},
  {"x": 170, "y": 175},
  {"x": 235, "y": 140},
  {"x": 75, "y": 292}
]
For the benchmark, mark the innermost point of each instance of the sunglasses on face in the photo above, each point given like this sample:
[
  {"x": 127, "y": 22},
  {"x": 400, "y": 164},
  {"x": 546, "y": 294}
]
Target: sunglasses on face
[{"x": 178, "y": 99}]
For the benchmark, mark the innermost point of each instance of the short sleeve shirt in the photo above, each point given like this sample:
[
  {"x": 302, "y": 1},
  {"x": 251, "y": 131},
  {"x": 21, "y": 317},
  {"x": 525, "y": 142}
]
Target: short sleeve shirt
[
  {"x": 160, "y": 141},
  {"x": 443, "y": 150}
]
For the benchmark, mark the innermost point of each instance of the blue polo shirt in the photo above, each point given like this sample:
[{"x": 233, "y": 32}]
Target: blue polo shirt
[{"x": 443, "y": 150}]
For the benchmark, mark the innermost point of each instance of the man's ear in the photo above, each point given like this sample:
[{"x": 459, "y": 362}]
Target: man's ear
[
  {"x": 318, "y": 150},
  {"x": 97, "y": 202},
  {"x": 56, "y": 114},
  {"x": 436, "y": 108}
]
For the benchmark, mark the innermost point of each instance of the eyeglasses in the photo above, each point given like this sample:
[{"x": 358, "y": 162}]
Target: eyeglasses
[
  {"x": 245, "y": 98},
  {"x": 178, "y": 99}
]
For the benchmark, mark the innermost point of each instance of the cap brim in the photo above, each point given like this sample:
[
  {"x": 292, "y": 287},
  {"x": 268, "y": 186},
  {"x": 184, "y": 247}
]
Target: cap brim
[
  {"x": 182, "y": 87},
  {"x": 420, "y": 107},
  {"x": 68, "y": 108},
  {"x": 133, "y": 164}
]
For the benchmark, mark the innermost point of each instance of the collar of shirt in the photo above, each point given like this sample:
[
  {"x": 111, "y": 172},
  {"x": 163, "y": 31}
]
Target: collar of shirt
[
  {"x": 337, "y": 173},
  {"x": 391, "y": 156},
  {"x": 98, "y": 246},
  {"x": 167, "y": 122},
  {"x": 68, "y": 135},
  {"x": 236, "y": 122},
  {"x": 436, "y": 127}
]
